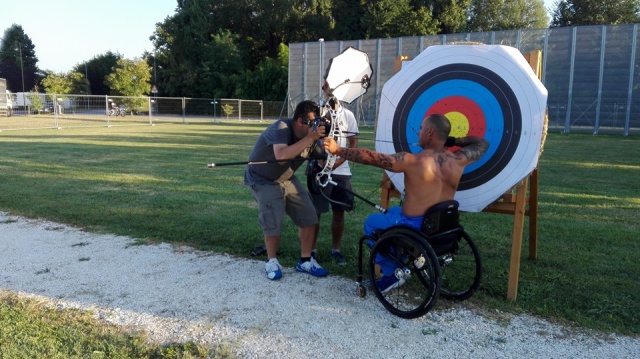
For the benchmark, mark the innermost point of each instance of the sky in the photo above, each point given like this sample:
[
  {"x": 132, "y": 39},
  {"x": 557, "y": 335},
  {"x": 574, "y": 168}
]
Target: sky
[{"x": 69, "y": 32}]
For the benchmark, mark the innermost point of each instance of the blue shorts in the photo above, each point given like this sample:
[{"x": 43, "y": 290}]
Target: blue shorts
[{"x": 393, "y": 217}]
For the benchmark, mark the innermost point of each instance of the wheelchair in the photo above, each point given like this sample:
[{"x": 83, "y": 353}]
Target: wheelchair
[{"x": 439, "y": 260}]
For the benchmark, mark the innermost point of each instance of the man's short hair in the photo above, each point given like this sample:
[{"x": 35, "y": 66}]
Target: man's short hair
[
  {"x": 304, "y": 108},
  {"x": 441, "y": 124}
]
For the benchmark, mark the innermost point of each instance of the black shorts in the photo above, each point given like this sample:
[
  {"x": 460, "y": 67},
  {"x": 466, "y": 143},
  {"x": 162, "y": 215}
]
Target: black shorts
[{"x": 336, "y": 193}]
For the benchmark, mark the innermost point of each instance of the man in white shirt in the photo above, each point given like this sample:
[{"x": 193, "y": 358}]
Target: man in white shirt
[{"x": 341, "y": 174}]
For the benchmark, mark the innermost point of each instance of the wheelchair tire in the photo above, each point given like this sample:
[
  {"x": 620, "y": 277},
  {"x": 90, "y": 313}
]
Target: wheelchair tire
[
  {"x": 418, "y": 267},
  {"x": 461, "y": 270}
]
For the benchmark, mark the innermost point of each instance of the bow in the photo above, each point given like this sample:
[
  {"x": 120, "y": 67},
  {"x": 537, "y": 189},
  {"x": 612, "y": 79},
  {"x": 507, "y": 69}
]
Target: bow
[
  {"x": 323, "y": 177},
  {"x": 347, "y": 78}
]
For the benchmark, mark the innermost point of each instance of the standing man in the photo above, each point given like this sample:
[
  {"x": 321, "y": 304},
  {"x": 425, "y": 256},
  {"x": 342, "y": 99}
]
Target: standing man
[
  {"x": 277, "y": 190},
  {"x": 430, "y": 177},
  {"x": 341, "y": 174}
]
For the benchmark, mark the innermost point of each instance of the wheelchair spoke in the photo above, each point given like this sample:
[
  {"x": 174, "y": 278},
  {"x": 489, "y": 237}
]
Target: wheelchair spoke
[
  {"x": 461, "y": 270},
  {"x": 404, "y": 275}
]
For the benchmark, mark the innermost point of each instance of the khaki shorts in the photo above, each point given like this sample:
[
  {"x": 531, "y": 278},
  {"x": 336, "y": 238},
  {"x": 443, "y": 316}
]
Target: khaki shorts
[{"x": 274, "y": 200}]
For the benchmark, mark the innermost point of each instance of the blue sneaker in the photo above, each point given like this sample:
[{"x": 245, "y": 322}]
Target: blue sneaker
[
  {"x": 273, "y": 269},
  {"x": 312, "y": 267},
  {"x": 338, "y": 257}
]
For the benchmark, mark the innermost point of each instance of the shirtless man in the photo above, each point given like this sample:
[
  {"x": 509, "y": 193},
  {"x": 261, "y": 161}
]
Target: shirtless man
[{"x": 430, "y": 176}]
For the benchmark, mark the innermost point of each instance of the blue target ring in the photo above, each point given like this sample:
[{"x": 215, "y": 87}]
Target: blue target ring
[
  {"x": 474, "y": 92},
  {"x": 481, "y": 85}
]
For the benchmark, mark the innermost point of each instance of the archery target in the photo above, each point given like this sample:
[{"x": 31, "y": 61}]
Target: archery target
[{"x": 487, "y": 91}]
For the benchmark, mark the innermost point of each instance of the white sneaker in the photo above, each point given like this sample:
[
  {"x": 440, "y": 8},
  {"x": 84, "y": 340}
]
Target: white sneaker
[
  {"x": 388, "y": 283},
  {"x": 273, "y": 269}
]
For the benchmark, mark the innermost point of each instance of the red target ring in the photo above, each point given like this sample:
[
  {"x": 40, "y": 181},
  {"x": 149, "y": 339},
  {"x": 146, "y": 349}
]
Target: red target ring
[{"x": 466, "y": 117}]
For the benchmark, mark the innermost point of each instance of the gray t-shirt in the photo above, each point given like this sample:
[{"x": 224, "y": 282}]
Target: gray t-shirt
[{"x": 280, "y": 132}]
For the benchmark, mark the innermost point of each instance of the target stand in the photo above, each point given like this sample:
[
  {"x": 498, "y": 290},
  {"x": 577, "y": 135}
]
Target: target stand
[{"x": 520, "y": 201}]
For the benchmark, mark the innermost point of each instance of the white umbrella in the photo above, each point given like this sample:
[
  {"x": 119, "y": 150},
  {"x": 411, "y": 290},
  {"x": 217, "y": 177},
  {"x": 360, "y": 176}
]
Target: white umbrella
[{"x": 349, "y": 75}]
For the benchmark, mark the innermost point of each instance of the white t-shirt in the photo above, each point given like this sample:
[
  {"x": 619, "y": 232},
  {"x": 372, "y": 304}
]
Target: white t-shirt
[{"x": 349, "y": 126}]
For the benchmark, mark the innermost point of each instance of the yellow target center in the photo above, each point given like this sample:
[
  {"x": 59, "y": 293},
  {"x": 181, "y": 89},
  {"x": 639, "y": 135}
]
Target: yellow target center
[{"x": 459, "y": 124}]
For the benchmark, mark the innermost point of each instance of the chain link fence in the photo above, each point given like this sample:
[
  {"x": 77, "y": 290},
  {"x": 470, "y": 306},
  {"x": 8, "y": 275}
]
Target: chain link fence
[
  {"x": 592, "y": 72},
  {"x": 37, "y": 110}
]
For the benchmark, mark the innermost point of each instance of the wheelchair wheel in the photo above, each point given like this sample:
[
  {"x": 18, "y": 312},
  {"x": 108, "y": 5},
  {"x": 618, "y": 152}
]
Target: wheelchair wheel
[
  {"x": 461, "y": 270},
  {"x": 401, "y": 257}
]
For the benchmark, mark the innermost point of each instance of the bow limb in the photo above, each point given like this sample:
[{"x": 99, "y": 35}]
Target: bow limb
[{"x": 323, "y": 178}]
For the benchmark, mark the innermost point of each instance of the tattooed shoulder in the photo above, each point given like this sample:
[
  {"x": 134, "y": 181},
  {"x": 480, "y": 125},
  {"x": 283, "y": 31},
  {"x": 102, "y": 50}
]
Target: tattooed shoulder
[{"x": 399, "y": 156}]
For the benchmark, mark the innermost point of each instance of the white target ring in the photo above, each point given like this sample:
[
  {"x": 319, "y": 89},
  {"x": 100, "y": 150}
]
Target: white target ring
[{"x": 488, "y": 91}]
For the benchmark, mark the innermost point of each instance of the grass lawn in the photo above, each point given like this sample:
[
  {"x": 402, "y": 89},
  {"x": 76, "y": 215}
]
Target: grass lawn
[{"x": 152, "y": 183}]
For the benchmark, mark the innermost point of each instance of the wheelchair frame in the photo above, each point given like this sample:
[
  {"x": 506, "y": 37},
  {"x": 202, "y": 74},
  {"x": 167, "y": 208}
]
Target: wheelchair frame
[{"x": 439, "y": 260}]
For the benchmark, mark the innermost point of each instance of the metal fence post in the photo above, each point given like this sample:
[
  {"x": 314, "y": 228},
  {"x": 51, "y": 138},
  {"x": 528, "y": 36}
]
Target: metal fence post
[
  {"x": 567, "y": 121},
  {"x": 603, "y": 42},
  {"x": 631, "y": 77},
  {"x": 106, "y": 106},
  {"x": 55, "y": 111}
]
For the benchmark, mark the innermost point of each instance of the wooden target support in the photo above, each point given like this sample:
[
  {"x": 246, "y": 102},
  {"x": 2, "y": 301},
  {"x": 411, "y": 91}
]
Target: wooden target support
[{"x": 520, "y": 202}]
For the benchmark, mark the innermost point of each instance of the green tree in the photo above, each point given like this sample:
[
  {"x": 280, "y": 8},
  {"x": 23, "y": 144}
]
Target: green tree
[
  {"x": 451, "y": 14},
  {"x": 392, "y": 18},
  {"x": 96, "y": 71},
  {"x": 130, "y": 78},
  {"x": 203, "y": 71},
  {"x": 309, "y": 20},
  {"x": 37, "y": 101},
  {"x": 499, "y": 15},
  {"x": 227, "y": 110},
  {"x": 71, "y": 83},
  {"x": 18, "y": 60},
  {"x": 264, "y": 24},
  {"x": 347, "y": 15},
  {"x": 79, "y": 83},
  {"x": 207, "y": 44},
  {"x": 183, "y": 46},
  {"x": 268, "y": 81},
  {"x": 595, "y": 12},
  {"x": 56, "y": 84},
  {"x": 225, "y": 57}
]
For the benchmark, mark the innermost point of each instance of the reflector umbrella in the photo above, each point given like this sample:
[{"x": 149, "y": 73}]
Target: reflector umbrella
[{"x": 349, "y": 75}]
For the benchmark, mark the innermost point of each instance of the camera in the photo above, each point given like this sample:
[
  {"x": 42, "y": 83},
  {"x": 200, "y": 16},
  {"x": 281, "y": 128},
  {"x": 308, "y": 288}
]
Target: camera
[{"x": 322, "y": 122}]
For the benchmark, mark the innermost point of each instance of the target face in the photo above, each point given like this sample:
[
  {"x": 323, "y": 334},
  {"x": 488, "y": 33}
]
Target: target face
[{"x": 486, "y": 91}]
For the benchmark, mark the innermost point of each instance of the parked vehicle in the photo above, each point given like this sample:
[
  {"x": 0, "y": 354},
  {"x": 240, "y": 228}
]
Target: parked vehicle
[{"x": 6, "y": 104}]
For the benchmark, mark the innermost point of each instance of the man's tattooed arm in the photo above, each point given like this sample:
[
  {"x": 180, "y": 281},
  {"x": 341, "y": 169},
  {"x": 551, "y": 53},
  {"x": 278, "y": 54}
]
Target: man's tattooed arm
[
  {"x": 472, "y": 147},
  {"x": 368, "y": 157}
]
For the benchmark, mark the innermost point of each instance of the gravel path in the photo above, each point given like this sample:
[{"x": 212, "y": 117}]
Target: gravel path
[{"x": 179, "y": 294}]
